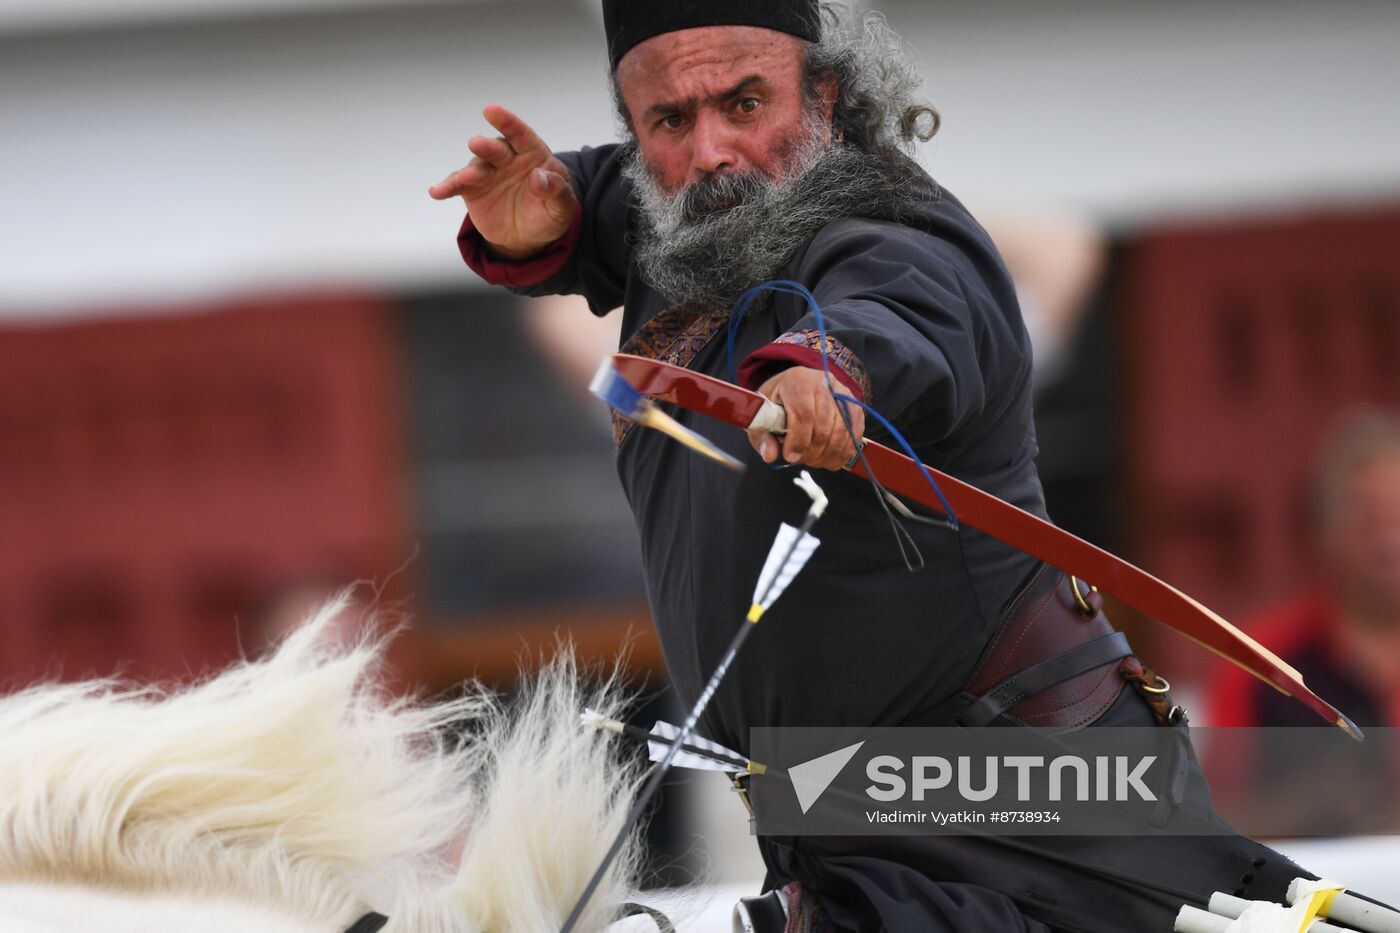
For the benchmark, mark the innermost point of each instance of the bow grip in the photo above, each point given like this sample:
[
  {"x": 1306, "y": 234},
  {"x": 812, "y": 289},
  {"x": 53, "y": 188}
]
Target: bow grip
[{"x": 770, "y": 418}]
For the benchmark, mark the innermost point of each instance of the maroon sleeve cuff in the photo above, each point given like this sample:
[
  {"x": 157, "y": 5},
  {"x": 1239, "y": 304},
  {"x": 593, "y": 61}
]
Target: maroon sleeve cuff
[
  {"x": 802, "y": 348},
  {"x": 521, "y": 274}
]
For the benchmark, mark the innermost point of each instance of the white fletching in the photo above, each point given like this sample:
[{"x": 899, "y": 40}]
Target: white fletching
[
  {"x": 808, "y": 485},
  {"x": 666, "y": 733},
  {"x": 775, "y": 578},
  {"x": 597, "y": 720}
]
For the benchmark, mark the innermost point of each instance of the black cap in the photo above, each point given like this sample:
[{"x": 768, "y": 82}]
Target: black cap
[{"x": 629, "y": 23}]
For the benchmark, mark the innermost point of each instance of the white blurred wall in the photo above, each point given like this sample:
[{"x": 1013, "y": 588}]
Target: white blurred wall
[{"x": 159, "y": 151}]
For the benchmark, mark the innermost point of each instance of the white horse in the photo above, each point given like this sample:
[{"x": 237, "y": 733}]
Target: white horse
[{"x": 290, "y": 795}]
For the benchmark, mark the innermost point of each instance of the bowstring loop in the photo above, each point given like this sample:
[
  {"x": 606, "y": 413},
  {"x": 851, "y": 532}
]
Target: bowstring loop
[{"x": 893, "y": 508}]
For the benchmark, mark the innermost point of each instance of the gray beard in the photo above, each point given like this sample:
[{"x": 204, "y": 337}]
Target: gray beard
[{"x": 707, "y": 244}]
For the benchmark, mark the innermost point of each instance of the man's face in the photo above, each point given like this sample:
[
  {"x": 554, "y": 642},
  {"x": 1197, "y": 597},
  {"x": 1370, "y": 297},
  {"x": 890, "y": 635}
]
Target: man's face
[{"x": 715, "y": 100}]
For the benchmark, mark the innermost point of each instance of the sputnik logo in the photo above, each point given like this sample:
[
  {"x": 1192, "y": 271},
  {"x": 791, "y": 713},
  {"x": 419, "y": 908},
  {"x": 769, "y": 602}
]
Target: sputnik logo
[{"x": 811, "y": 778}]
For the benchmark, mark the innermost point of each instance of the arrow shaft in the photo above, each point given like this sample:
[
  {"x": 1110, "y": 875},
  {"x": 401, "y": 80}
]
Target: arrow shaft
[{"x": 664, "y": 766}]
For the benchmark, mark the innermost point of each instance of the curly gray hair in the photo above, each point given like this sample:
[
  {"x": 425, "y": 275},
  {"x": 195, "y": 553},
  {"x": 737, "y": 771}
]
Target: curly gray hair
[{"x": 877, "y": 106}]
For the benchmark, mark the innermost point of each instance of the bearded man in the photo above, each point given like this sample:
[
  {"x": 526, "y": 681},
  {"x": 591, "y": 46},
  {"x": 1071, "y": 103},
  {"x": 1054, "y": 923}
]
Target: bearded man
[{"x": 772, "y": 141}]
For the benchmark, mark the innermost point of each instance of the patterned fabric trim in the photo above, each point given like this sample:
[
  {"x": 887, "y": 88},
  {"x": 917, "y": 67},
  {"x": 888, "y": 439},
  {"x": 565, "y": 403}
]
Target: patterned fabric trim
[
  {"x": 674, "y": 337},
  {"x": 840, "y": 356},
  {"x": 805, "y": 915}
]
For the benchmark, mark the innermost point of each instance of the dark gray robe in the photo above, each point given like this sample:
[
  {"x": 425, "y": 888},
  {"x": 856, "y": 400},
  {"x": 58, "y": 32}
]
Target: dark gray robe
[
  {"x": 929, "y": 317},
  {"x": 927, "y": 327}
]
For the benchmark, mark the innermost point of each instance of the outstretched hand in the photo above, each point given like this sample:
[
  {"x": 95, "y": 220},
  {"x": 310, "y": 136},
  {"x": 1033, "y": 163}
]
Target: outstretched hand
[
  {"x": 816, "y": 434},
  {"x": 519, "y": 195}
]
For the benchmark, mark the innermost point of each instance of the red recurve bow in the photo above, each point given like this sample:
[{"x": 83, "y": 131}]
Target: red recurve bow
[{"x": 1016, "y": 527}]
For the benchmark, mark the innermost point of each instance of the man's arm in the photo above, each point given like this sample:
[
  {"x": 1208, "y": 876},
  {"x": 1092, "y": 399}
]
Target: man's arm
[
  {"x": 914, "y": 327},
  {"x": 542, "y": 223}
]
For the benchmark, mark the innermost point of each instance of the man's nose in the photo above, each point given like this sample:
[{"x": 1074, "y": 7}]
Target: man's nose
[{"x": 712, "y": 146}]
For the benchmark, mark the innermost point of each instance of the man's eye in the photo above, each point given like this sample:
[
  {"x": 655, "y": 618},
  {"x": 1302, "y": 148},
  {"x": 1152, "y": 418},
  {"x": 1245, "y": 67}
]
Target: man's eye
[
  {"x": 673, "y": 122},
  {"x": 748, "y": 105}
]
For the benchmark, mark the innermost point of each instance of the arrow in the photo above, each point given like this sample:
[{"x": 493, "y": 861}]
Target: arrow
[{"x": 790, "y": 547}]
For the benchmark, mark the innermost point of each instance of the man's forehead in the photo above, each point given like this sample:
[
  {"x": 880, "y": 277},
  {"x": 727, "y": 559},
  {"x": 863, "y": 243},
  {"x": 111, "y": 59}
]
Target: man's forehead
[{"x": 680, "y": 61}]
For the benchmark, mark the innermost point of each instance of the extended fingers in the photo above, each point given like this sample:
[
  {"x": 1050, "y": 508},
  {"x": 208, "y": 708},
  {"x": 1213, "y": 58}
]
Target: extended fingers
[
  {"x": 490, "y": 153},
  {"x": 464, "y": 181},
  {"x": 516, "y": 131},
  {"x": 495, "y": 152}
]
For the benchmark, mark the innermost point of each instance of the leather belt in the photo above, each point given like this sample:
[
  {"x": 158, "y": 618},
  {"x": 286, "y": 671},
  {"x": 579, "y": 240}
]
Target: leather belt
[
  {"x": 1050, "y": 664},
  {"x": 1045, "y": 674}
]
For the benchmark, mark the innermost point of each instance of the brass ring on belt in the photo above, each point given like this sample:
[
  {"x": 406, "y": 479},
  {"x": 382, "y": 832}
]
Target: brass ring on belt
[
  {"x": 1079, "y": 599},
  {"x": 1165, "y": 685}
]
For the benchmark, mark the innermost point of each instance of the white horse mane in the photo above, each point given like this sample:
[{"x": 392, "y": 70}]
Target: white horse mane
[{"x": 292, "y": 784}]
